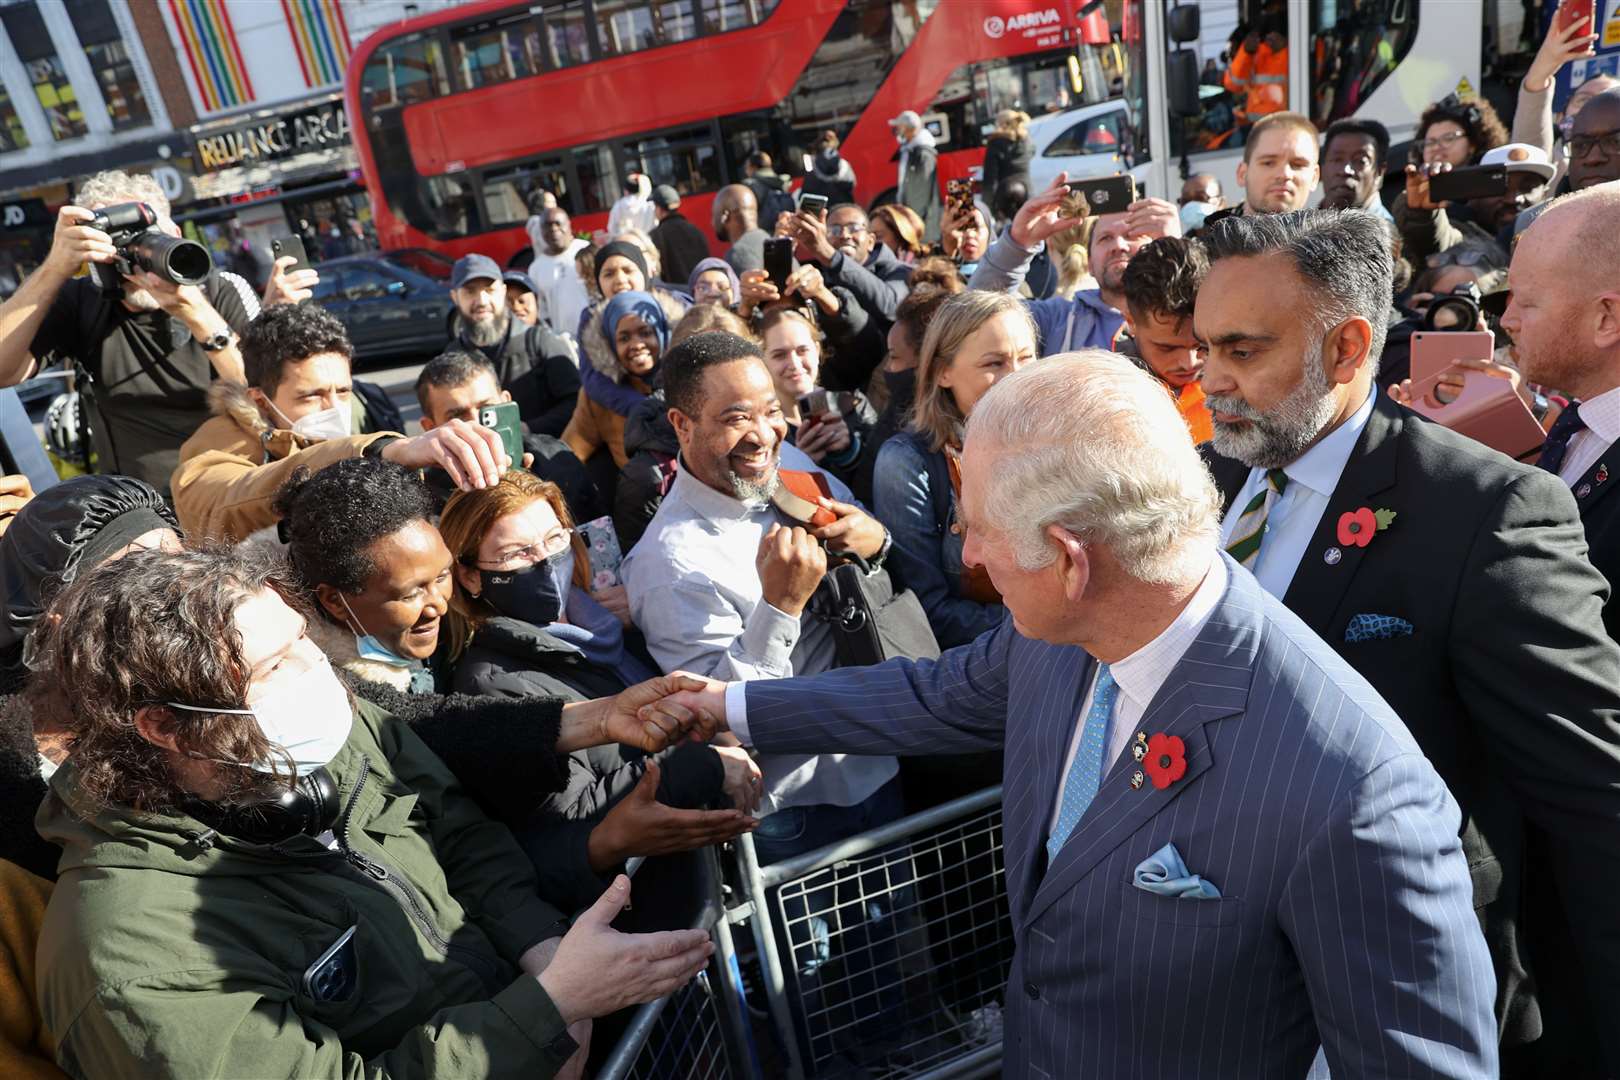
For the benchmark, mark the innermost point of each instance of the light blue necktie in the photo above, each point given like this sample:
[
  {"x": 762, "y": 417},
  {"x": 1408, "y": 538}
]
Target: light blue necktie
[{"x": 1085, "y": 773}]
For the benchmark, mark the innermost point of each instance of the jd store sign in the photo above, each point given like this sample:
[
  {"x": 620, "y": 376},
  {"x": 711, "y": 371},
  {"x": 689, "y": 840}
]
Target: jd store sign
[{"x": 324, "y": 128}]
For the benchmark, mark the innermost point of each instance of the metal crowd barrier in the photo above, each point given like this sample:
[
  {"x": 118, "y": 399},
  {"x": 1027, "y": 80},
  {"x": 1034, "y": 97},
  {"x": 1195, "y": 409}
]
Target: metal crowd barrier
[
  {"x": 698, "y": 1031},
  {"x": 883, "y": 956}
]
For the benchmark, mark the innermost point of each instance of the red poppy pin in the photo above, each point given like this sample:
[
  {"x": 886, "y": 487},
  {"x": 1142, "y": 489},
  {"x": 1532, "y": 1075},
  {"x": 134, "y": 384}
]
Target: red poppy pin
[
  {"x": 1356, "y": 527},
  {"x": 1166, "y": 759}
]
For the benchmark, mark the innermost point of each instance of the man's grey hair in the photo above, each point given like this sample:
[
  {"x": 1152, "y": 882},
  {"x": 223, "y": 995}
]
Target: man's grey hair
[
  {"x": 117, "y": 186},
  {"x": 1344, "y": 255},
  {"x": 1092, "y": 443}
]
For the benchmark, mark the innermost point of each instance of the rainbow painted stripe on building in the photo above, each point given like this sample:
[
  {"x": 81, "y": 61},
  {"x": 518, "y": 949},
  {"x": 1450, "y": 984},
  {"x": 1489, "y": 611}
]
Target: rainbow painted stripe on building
[
  {"x": 321, "y": 38},
  {"x": 209, "y": 42}
]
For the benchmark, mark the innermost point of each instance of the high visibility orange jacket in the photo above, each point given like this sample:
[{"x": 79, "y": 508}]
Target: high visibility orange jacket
[{"x": 1259, "y": 80}]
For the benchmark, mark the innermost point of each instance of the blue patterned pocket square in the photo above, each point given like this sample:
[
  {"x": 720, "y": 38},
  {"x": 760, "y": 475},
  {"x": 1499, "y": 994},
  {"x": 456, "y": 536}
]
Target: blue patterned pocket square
[
  {"x": 1164, "y": 873},
  {"x": 1376, "y": 628}
]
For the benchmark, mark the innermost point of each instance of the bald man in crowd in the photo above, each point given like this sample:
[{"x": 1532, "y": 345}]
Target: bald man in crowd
[
  {"x": 1564, "y": 318},
  {"x": 736, "y": 222}
]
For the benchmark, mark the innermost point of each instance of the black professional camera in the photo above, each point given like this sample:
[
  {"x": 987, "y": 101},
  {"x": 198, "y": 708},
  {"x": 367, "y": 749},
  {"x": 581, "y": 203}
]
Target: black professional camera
[
  {"x": 141, "y": 245},
  {"x": 1455, "y": 310}
]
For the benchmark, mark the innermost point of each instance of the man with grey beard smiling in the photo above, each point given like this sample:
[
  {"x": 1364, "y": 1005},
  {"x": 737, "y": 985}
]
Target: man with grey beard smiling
[
  {"x": 1454, "y": 579},
  {"x": 537, "y": 365}
]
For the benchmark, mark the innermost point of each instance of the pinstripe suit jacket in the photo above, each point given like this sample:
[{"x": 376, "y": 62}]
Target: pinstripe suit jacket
[{"x": 1345, "y": 916}]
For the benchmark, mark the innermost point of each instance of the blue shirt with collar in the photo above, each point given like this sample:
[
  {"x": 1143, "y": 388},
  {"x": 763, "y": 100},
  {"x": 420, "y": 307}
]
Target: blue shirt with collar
[{"x": 1292, "y": 521}]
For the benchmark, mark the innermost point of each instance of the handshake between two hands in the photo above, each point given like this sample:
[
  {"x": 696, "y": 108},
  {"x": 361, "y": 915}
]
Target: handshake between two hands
[{"x": 662, "y": 712}]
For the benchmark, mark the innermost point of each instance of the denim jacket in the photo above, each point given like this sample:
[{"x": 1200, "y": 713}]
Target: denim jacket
[{"x": 912, "y": 496}]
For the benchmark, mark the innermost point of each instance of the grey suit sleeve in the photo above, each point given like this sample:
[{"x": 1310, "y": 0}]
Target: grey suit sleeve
[
  {"x": 953, "y": 705},
  {"x": 1538, "y": 673},
  {"x": 1379, "y": 911}
]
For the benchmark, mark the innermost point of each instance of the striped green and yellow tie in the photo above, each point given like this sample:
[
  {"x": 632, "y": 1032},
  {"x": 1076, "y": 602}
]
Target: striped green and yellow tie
[{"x": 1251, "y": 524}]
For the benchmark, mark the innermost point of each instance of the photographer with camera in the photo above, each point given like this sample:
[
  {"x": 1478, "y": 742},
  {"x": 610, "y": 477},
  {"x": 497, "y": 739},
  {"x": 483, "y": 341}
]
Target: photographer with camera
[{"x": 152, "y": 327}]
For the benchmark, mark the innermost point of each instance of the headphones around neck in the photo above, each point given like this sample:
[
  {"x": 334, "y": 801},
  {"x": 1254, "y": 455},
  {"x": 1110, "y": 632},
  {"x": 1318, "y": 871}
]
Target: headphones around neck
[{"x": 309, "y": 808}]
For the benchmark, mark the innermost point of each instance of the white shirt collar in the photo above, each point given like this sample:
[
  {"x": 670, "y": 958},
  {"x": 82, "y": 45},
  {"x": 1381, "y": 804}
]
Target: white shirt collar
[
  {"x": 1141, "y": 673},
  {"x": 1601, "y": 415},
  {"x": 1319, "y": 467}
]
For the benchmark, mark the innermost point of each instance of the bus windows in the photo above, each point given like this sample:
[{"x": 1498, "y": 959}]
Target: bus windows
[
  {"x": 599, "y": 180},
  {"x": 507, "y": 189},
  {"x": 674, "y": 20},
  {"x": 489, "y": 52},
  {"x": 559, "y": 37},
  {"x": 451, "y": 205},
  {"x": 1353, "y": 50},
  {"x": 1243, "y": 74},
  {"x": 686, "y": 160},
  {"x": 624, "y": 26},
  {"x": 410, "y": 70},
  {"x": 722, "y": 15}
]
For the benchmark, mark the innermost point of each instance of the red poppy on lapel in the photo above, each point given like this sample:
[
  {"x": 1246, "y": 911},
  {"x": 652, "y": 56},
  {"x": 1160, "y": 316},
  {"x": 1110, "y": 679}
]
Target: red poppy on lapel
[
  {"x": 1166, "y": 760},
  {"x": 1356, "y": 527}
]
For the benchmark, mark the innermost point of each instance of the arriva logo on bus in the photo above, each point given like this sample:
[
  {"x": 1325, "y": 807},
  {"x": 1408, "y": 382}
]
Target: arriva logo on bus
[{"x": 995, "y": 26}]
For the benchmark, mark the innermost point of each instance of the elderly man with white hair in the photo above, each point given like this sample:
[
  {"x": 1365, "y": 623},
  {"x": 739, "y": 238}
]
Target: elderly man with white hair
[
  {"x": 152, "y": 347},
  {"x": 1223, "y": 849}
]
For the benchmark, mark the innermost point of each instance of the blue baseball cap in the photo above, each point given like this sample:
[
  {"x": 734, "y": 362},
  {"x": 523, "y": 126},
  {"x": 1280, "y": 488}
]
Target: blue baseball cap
[
  {"x": 521, "y": 280},
  {"x": 473, "y": 268}
]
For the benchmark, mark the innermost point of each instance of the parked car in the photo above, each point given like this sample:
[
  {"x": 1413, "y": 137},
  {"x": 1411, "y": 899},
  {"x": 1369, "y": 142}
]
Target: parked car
[
  {"x": 393, "y": 303},
  {"x": 1084, "y": 142}
]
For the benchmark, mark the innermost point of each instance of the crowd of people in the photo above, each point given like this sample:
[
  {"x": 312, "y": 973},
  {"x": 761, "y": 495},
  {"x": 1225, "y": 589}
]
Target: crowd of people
[{"x": 325, "y": 745}]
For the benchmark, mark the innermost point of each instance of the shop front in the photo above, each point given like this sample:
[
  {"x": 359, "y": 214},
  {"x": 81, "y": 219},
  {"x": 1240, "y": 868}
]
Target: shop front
[{"x": 288, "y": 172}]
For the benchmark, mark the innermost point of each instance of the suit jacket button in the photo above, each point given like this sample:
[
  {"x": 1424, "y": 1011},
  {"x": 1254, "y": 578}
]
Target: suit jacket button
[{"x": 1033, "y": 991}]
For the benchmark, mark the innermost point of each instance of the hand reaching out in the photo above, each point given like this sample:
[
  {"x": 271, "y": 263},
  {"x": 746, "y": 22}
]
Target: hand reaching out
[
  {"x": 640, "y": 825},
  {"x": 598, "y": 970}
]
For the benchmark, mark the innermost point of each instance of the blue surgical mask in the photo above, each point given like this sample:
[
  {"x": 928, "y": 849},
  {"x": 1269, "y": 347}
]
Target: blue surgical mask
[{"x": 369, "y": 647}]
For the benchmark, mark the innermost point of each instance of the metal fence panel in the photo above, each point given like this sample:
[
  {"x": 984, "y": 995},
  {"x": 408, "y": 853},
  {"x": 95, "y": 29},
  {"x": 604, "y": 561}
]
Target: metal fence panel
[{"x": 884, "y": 955}]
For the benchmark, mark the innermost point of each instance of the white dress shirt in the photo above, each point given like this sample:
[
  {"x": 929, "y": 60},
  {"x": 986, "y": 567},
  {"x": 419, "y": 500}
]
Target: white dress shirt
[
  {"x": 1294, "y": 516},
  {"x": 1139, "y": 675},
  {"x": 695, "y": 594},
  {"x": 1602, "y": 418}
]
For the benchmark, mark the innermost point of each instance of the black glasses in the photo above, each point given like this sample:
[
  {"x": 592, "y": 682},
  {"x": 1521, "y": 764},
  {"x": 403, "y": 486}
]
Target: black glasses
[{"x": 1581, "y": 145}]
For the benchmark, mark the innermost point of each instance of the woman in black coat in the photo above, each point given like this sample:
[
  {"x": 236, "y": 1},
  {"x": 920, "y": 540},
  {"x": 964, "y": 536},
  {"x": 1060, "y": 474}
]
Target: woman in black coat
[
  {"x": 1006, "y": 154},
  {"x": 524, "y": 621}
]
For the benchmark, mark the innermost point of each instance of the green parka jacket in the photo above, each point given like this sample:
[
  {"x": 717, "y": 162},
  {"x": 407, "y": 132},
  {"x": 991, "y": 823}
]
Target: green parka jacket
[{"x": 170, "y": 950}]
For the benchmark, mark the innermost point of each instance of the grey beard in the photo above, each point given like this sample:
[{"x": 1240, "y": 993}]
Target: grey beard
[
  {"x": 1278, "y": 437},
  {"x": 488, "y": 331},
  {"x": 755, "y": 494}
]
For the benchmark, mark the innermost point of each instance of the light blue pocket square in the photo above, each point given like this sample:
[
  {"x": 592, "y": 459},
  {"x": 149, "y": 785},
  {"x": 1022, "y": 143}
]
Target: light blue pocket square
[
  {"x": 1164, "y": 873},
  {"x": 1376, "y": 628}
]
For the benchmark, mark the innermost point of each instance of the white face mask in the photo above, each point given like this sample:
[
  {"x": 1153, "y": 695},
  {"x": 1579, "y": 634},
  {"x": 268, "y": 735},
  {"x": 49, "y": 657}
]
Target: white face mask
[
  {"x": 308, "y": 716},
  {"x": 333, "y": 423}
]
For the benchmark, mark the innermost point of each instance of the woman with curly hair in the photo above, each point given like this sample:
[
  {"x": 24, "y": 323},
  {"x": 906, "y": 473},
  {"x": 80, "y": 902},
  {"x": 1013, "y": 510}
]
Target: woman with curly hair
[{"x": 1455, "y": 131}]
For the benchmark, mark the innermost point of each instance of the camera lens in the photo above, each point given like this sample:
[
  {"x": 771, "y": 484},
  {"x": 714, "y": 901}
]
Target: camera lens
[{"x": 184, "y": 262}]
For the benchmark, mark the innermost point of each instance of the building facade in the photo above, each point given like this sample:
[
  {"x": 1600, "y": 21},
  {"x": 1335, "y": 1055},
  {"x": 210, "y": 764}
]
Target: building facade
[{"x": 234, "y": 105}]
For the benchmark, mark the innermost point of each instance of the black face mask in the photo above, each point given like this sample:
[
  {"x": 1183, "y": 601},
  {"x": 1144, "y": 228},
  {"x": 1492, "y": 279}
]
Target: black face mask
[
  {"x": 536, "y": 594},
  {"x": 902, "y": 386}
]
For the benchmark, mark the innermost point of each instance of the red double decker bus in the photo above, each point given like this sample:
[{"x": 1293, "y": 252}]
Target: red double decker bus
[{"x": 459, "y": 115}]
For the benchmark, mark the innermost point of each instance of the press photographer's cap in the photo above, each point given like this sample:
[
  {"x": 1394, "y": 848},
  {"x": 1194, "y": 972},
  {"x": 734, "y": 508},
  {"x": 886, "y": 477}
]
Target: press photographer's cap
[
  {"x": 1520, "y": 157},
  {"x": 474, "y": 268},
  {"x": 906, "y": 119}
]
